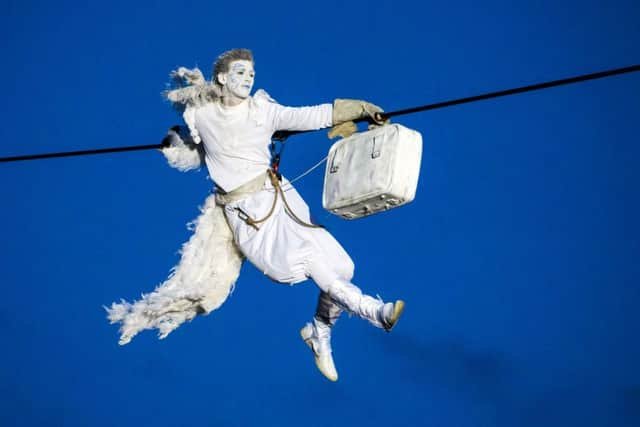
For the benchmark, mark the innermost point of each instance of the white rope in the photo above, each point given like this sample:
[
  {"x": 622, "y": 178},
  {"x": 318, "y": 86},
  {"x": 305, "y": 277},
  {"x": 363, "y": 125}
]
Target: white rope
[
  {"x": 305, "y": 173},
  {"x": 308, "y": 171}
]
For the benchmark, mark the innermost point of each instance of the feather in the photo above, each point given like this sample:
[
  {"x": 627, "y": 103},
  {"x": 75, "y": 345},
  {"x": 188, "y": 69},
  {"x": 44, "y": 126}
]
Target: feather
[
  {"x": 181, "y": 152},
  {"x": 200, "y": 283}
]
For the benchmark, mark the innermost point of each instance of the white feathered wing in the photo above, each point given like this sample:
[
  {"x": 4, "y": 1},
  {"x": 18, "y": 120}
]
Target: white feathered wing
[{"x": 208, "y": 269}]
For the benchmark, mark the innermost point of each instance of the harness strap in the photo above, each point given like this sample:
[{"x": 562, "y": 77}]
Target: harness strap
[
  {"x": 245, "y": 190},
  {"x": 254, "y": 222},
  {"x": 273, "y": 177}
]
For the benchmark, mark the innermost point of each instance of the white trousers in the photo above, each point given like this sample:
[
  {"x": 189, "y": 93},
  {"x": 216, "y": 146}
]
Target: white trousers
[{"x": 289, "y": 252}]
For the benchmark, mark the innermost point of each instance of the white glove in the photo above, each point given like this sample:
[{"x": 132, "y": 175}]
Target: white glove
[{"x": 345, "y": 111}]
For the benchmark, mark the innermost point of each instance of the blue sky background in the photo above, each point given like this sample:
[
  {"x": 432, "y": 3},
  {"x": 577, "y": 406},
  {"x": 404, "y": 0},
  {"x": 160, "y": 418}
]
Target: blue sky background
[{"x": 518, "y": 259}]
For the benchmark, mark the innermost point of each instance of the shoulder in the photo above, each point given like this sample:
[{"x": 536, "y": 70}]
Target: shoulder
[
  {"x": 261, "y": 97},
  {"x": 263, "y": 108}
]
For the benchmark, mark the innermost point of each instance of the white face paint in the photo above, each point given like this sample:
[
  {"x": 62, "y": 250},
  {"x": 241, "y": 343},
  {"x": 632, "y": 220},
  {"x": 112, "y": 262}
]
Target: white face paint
[{"x": 238, "y": 81}]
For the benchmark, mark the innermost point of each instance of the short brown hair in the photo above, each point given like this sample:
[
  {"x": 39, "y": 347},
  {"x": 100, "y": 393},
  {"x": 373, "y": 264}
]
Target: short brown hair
[{"x": 221, "y": 65}]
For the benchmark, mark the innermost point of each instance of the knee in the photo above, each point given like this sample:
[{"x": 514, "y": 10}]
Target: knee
[
  {"x": 346, "y": 269},
  {"x": 322, "y": 274}
]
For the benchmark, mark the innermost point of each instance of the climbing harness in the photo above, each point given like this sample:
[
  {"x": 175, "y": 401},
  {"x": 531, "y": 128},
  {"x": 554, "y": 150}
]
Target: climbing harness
[{"x": 225, "y": 198}]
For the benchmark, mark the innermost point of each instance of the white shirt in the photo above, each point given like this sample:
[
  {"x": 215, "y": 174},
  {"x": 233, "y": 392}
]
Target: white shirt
[{"x": 236, "y": 139}]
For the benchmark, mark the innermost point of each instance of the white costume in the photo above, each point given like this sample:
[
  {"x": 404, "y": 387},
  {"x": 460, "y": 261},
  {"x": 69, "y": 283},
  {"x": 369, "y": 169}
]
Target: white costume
[{"x": 235, "y": 142}]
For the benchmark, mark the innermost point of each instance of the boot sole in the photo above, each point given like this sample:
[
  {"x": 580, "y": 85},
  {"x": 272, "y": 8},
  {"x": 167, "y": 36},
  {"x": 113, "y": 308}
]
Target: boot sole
[{"x": 398, "y": 308}]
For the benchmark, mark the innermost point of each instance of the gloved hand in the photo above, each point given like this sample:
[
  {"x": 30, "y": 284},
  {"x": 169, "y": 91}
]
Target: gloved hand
[
  {"x": 172, "y": 138},
  {"x": 345, "y": 111},
  {"x": 343, "y": 130}
]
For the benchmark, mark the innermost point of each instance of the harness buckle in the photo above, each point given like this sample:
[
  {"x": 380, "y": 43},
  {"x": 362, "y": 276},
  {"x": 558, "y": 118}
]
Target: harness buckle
[{"x": 246, "y": 218}]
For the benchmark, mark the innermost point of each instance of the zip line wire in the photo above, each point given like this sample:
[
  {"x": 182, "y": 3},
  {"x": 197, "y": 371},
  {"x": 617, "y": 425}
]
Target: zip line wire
[
  {"x": 280, "y": 136},
  {"x": 515, "y": 91},
  {"x": 507, "y": 92},
  {"x": 78, "y": 153}
]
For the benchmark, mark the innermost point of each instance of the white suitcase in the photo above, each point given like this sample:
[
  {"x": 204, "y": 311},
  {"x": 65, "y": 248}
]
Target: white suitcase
[{"x": 372, "y": 171}]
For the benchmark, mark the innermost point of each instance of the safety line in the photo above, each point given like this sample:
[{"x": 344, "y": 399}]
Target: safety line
[
  {"x": 305, "y": 173},
  {"x": 382, "y": 116}
]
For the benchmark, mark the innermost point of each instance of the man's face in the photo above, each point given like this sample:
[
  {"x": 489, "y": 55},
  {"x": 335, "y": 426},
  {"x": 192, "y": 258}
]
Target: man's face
[{"x": 239, "y": 79}]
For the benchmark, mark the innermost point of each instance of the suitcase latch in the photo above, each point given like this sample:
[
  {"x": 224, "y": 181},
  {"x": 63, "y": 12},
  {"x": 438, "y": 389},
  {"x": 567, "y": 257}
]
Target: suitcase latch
[
  {"x": 375, "y": 152},
  {"x": 336, "y": 160}
]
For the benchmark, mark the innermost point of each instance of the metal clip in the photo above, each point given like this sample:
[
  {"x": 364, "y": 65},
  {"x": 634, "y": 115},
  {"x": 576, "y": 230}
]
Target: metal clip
[
  {"x": 375, "y": 153},
  {"x": 242, "y": 214},
  {"x": 246, "y": 218}
]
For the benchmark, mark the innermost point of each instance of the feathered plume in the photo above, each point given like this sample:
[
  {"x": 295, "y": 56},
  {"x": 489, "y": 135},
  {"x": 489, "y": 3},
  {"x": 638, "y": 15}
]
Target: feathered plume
[
  {"x": 181, "y": 151},
  {"x": 208, "y": 269},
  {"x": 190, "y": 89}
]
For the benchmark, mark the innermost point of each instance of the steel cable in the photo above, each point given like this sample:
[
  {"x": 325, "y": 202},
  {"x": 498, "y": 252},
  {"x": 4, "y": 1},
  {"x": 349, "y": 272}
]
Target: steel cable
[{"x": 283, "y": 135}]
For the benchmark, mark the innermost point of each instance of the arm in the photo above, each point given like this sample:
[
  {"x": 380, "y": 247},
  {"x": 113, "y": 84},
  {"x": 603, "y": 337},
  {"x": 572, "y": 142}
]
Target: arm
[
  {"x": 302, "y": 118},
  {"x": 280, "y": 117},
  {"x": 341, "y": 115}
]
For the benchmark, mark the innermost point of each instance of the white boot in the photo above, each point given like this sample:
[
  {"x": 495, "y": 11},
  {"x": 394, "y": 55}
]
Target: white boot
[
  {"x": 351, "y": 298},
  {"x": 317, "y": 335}
]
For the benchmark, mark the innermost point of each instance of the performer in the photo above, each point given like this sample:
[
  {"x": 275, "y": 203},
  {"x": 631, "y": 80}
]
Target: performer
[{"x": 255, "y": 213}]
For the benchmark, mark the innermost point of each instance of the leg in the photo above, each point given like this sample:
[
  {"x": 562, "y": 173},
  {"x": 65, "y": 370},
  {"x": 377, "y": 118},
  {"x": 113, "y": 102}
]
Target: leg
[
  {"x": 349, "y": 297},
  {"x": 317, "y": 335},
  {"x": 327, "y": 311},
  {"x": 338, "y": 294}
]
